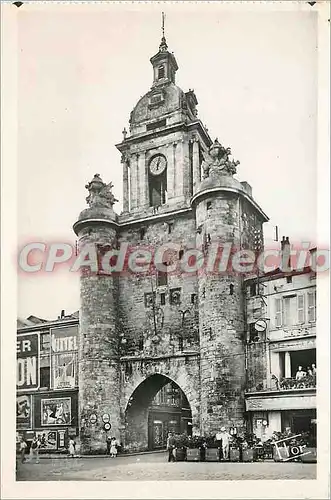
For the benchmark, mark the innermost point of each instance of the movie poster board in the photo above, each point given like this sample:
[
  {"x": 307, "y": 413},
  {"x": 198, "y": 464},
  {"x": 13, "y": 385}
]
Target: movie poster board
[
  {"x": 64, "y": 352},
  {"x": 23, "y": 411},
  {"x": 56, "y": 411},
  {"x": 48, "y": 440}
]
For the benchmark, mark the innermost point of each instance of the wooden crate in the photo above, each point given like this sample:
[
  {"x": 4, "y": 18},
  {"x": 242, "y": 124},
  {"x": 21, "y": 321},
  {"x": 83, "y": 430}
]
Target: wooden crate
[
  {"x": 248, "y": 455},
  {"x": 212, "y": 455},
  {"x": 234, "y": 455},
  {"x": 311, "y": 457},
  {"x": 193, "y": 455}
]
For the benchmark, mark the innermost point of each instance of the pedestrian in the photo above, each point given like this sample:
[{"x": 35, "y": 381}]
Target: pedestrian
[
  {"x": 113, "y": 447},
  {"x": 72, "y": 447},
  {"x": 34, "y": 449},
  {"x": 171, "y": 447},
  {"x": 225, "y": 436},
  {"x": 108, "y": 441},
  {"x": 23, "y": 447}
]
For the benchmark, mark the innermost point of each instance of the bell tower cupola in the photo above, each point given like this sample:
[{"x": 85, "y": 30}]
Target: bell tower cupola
[{"x": 164, "y": 63}]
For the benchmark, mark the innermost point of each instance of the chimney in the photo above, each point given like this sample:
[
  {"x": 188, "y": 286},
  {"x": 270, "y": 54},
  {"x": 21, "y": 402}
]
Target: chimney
[
  {"x": 62, "y": 313},
  {"x": 285, "y": 264}
]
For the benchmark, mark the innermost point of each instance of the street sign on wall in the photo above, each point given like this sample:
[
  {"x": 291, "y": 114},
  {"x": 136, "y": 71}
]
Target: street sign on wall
[{"x": 28, "y": 362}]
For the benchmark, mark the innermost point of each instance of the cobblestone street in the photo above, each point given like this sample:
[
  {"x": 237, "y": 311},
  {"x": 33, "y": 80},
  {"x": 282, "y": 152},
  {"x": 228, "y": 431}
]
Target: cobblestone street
[{"x": 154, "y": 467}]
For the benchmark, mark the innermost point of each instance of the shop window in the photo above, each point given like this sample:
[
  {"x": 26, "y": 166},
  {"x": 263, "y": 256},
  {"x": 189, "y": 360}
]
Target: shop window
[
  {"x": 45, "y": 377},
  {"x": 253, "y": 290},
  {"x": 45, "y": 341}
]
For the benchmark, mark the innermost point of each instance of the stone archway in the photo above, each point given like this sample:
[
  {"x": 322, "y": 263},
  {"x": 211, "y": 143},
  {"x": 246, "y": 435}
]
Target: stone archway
[{"x": 147, "y": 422}]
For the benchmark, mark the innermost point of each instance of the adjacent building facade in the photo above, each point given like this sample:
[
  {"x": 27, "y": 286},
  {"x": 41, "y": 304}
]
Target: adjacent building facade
[
  {"x": 47, "y": 381},
  {"x": 281, "y": 352}
]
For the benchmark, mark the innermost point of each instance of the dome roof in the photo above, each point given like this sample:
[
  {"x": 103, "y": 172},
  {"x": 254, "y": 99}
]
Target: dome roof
[{"x": 158, "y": 102}]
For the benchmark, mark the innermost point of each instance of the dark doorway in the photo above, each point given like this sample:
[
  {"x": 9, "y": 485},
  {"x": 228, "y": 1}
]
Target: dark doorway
[{"x": 156, "y": 407}]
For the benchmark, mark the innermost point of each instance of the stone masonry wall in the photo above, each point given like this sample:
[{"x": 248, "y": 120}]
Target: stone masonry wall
[{"x": 99, "y": 375}]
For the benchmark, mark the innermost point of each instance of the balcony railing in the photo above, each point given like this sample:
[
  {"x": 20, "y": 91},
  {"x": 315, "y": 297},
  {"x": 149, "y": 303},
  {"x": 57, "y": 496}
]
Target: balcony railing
[
  {"x": 292, "y": 383},
  {"x": 285, "y": 384}
]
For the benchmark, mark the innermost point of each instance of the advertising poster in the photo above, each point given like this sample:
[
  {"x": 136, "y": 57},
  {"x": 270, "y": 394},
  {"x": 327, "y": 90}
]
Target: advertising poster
[
  {"x": 56, "y": 411},
  {"x": 23, "y": 412},
  {"x": 27, "y": 354},
  {"x": 48, "y": 440},
  {"x": 64, "y": 357}
]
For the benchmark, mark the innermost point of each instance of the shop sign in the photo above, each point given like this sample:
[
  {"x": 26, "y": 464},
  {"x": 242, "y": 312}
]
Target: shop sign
[
  {"x": 27, "y": 361},
  {"x": 281, "y": 403},
  {"x": 64, "y": 357}
]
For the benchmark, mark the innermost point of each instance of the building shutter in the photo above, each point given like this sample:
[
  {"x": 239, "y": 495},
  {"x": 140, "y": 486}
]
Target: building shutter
[
  {"x": 301, "y": 309},
  {"x": 278, "y": 309},
  {"x": 311, "y": 306}
]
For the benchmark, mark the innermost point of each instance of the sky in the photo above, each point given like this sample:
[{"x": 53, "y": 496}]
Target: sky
[{"x": 82, "y": 68}]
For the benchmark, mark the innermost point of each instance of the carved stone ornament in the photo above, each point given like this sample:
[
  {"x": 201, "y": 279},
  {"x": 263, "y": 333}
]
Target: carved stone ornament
[
  {"x": 100, "y": 194},
  {"x": 218, "y": 161}
]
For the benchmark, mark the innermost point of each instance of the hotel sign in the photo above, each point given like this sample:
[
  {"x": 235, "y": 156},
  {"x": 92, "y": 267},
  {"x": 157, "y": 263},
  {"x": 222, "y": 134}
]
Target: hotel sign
[
  {"x": 27, "y": 361},
  {"x": 281, "y": 403},
  {"x": 64, "y": 357}
]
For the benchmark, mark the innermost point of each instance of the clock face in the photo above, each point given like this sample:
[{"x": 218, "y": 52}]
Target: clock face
[
  {"x": 157, "y": 165},
  {"x": 260, "y": 325}
]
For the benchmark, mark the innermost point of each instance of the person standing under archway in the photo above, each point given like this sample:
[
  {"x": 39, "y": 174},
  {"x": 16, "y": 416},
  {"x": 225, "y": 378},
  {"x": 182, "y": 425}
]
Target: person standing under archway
[{"x": 171, "y": 447}]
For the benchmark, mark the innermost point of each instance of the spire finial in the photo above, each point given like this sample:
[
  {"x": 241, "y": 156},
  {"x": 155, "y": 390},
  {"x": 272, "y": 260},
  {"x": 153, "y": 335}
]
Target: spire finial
[
  {"x": 163, "y": 45},
  {"x": 163, "y": 17}
]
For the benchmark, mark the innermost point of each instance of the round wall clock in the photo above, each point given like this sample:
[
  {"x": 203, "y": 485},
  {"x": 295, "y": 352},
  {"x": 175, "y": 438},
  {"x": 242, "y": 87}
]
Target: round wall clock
[
  {"x": 260, "y": 325},
  {"x": 157, "y": 165}
]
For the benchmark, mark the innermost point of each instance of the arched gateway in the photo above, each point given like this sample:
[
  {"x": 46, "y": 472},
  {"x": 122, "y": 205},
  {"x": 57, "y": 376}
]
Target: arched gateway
[
  {"x": 138, "y": 330},
  {"x": 157, "y": 406}
]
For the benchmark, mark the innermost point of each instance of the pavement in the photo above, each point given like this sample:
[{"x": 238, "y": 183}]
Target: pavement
[{"x": 155, "y": 467}]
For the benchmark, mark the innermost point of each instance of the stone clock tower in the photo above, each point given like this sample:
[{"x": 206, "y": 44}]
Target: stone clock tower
[
  {"x": 139, "y": 331},
  {"x": 162, "y": 156}
]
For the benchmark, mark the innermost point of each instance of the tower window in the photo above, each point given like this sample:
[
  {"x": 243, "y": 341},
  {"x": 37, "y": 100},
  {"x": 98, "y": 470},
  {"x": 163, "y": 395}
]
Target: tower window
[
  {"x": 193, "y": 298},
  {"x": 231, "y": 289},
  {"x": 160, "y": 72},
  {"x": 162, "y": 299},
  {"x": 162, "y": 277},
  {"x": 158, "y": 189},
  {"x": 142, "y": 232}
]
